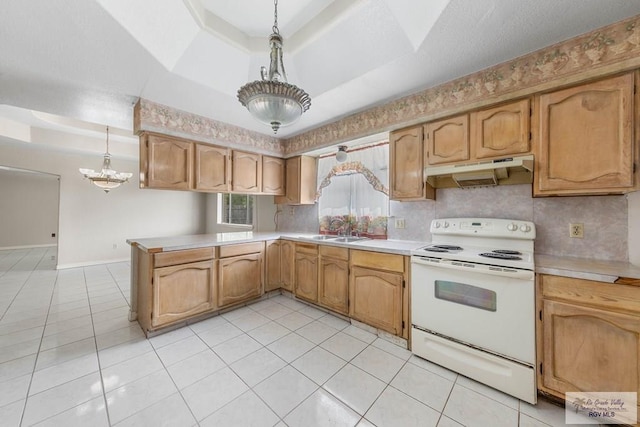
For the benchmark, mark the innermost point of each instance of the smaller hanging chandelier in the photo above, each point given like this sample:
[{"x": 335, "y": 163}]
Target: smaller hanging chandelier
[
  {"x": 107, "y": 178},
  {"x": 272, "y": 100}
]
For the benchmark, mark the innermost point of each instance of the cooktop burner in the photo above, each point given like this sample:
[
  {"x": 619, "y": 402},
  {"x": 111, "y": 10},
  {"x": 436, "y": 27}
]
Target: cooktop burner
[
  {"x": 434, "y": 249},
  {"x": 448, "y": 247},
  {"x": 507, "y": 252},
  {"x": 498, "y": 255}
]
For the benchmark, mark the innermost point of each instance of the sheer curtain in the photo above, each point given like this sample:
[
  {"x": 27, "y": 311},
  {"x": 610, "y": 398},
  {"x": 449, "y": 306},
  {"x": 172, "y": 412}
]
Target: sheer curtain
[{"x": 354, "y": 195}]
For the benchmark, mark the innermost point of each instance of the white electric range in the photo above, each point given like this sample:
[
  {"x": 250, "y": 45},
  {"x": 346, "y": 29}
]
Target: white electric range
[{"x": 473, "y": 301}]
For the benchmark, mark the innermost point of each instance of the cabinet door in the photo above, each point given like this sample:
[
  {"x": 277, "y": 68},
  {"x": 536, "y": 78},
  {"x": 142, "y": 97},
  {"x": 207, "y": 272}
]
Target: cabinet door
[
  {"x": 240, "y": 279},
  {"x": 447, "y": 140},
  {"x": 273, "y": 266},
  {"x": 300, "y": 177},
  {"x": 247, "y": 172},
  {"x": 273, "y": 180},
  {"x": 501, "y": 131},
  {"x": 586, "y": 139},
  {"x": 168, "y": 162},
  {"x": 306, "y": 276},
  {"x": 586, "y": 349},
  {"x": 181, "y": 291},
  {"x": 333, "y": 288},
  {"x": 376, "y": 298},
  {"x": 287, "y": 259},
  {"x": 212, "y": 168},
  {"x": 406, "y": 151}
]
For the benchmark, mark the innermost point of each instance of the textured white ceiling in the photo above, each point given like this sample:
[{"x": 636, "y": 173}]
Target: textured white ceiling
[{"x": 91, "y": 59}]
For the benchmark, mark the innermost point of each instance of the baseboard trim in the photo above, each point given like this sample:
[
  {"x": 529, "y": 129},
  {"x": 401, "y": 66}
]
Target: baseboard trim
[
  {"x": 90, "y": 263},
  {"x": 9, "y": 248}
]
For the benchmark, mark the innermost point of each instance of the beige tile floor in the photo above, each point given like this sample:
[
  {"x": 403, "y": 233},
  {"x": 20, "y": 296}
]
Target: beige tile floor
[{"x": 69, "y": 357}]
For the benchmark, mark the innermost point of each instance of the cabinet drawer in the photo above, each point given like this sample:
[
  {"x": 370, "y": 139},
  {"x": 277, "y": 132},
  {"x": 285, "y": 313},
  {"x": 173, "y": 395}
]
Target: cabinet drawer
[
  {"x": 378, "y": 261},
  {"x": 600, "y": 294},
  {"x": 240, "y": 249},
  {"x": 308, "y": 248},
  {"x": 164, "y": 259},
  {"x": 334, "y": 252}
]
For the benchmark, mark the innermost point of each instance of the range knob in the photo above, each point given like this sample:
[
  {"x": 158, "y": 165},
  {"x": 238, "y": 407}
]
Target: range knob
[
  {"x": 437, "y": 224},
  {"x": 446, "y": 224},
  {"x": 512, "y": 227},
  {"x": 525, "y": 228}
]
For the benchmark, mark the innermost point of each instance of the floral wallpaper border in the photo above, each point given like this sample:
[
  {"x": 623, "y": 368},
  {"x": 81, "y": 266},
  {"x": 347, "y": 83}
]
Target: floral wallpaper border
[
  {"x": 150, "y": 116},
  {"x": 618, "y": 43},
  {"x": 603, "y": 51}
]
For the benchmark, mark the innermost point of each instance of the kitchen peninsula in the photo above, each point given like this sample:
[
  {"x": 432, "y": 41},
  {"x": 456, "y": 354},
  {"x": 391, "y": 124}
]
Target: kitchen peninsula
[{"x": 175, "y": 280}]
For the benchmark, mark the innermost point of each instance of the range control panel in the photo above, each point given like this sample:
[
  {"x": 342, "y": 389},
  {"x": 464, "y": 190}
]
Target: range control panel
[{"x": 486, "y": 227}]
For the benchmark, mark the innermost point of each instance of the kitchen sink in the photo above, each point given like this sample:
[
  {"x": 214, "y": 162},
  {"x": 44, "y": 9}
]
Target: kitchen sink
[
  {"x": 324, "y": 237},
  {"x": 347, "y": 239}
]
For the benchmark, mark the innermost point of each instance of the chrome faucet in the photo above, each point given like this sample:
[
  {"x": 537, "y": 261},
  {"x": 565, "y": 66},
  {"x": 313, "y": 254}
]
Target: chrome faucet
[{"x": 344, "y": 226}]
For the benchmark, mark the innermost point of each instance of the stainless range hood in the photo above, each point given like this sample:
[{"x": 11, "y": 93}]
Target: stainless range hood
[{"x": 512, "y": 170}]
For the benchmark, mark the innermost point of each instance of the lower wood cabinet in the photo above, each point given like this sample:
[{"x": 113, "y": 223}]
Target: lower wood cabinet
[
  {"x": 333, "y": 280},
  {"x": 239, "y": 273},
  {"x": 306, "y": 271},
  {"x": 181, "y": 291},
  {"x": 273, "y": 270},
  {"x": 588, "y": 336},
  {"x": 287, "y": 264},
  {"x": 279, "y": 265},
  {"x": 376, "y": 290},
  {"x": 172, "y": 286}
]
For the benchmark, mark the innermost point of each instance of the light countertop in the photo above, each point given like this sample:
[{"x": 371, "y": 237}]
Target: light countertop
[
  {"x": 176, "y": 243},
  {"x": 589, "y": 269},
  {"x": 603, "y": 271}
]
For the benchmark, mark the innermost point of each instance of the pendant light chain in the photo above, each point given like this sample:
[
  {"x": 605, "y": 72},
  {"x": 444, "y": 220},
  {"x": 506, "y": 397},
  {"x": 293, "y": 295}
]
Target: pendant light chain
[
  {"x": 107, "y": 139},
  {"x": 275, "y": 18}
]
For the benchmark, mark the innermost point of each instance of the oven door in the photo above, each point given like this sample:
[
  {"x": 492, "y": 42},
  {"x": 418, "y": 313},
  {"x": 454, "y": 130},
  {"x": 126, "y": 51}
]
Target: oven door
[{"x": 489, "y": 307}]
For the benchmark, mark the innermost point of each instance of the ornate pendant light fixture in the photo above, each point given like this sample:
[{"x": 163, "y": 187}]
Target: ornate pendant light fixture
[
  {"x": 272, "y": 100},
  {"x": 107, "y": 178}
]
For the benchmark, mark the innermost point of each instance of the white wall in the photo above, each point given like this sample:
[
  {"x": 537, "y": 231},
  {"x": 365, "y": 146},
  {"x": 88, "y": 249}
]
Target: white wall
[
  {"x": 265, "y": 210},
  {"x": 28, "y": 209},
  {"x": 92, "y": 222}
]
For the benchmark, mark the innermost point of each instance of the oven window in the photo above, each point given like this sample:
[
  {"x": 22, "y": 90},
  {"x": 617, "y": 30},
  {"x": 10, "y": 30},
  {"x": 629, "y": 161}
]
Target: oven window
[{"x": 471, "y": 296}]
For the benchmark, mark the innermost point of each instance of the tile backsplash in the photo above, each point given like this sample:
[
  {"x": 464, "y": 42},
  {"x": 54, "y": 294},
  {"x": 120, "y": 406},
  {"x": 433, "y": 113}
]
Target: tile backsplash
[{"x": 604, "y": 218}]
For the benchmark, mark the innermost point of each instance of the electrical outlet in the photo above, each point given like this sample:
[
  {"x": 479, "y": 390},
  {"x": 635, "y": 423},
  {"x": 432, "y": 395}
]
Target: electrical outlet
[
  {"x": 292, "y": 210},
  {"x": 399, "y": 222},
  {"x": 576, "y": 230},
  {"x": 115, "y": 246}
]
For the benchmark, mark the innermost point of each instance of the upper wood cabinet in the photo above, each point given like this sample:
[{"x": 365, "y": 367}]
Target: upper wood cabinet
[
  {"x": 165, "y": 162},
  {"x": 501, "y": 131},
  {"x": 585, "y": 139},
  {"x": 247, "y": 172},
  {"x": 406, "y": 151},
  {"x": 447, "y": 140},
  {"x": 212, "y": 168},
  {"x": 273, "y": 173},
  {"x": 588, "y": 336},
  {"x": 301, "y": 175}
]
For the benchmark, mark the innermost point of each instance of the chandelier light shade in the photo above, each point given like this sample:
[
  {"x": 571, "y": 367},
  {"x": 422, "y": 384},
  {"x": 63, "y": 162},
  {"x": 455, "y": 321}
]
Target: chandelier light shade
[
  {"x": 272, "y": 100},
  {"x": 341, "y": 155},
  {"x": 107, "y": 178}
]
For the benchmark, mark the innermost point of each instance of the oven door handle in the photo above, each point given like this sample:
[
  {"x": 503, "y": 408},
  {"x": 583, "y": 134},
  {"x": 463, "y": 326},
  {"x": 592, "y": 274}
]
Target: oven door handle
[{"x": 473, "y": 267}]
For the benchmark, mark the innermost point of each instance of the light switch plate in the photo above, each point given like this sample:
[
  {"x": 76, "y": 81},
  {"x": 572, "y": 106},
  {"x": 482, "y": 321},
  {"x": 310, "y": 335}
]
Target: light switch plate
[{"x": 399, "y": 223}]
